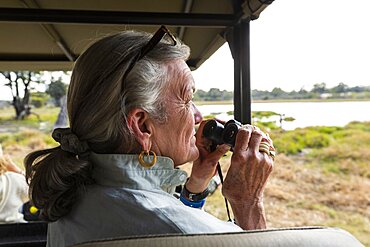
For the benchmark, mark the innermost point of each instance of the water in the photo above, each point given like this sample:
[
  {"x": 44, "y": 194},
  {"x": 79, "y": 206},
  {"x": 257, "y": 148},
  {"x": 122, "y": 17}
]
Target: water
[{"x": 305, "y": 113}]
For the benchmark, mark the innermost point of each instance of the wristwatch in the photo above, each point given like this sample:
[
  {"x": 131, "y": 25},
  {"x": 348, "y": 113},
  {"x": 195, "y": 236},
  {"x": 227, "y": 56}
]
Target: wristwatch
[{"x": 194, "y": 197}]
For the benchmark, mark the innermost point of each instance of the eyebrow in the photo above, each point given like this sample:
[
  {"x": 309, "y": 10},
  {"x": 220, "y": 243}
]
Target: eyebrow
[
  {"x": 186, "y": 89},
  {"x": 186, "y": 76},
  {"x": 193, "y": 89}
]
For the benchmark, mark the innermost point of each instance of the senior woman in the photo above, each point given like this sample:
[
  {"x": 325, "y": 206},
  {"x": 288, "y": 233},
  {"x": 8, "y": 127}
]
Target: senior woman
[{"x": 131, "y": 124}]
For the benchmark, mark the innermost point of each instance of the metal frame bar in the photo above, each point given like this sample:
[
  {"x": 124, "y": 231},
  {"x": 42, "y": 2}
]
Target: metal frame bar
[
  {"x": 239, "y": 41},
  {"x": 245, "y": 73},
  {"x": 53, "y": 16},
  {"x": 51, "y": 31},
  {"x": 188, "y": 5}
]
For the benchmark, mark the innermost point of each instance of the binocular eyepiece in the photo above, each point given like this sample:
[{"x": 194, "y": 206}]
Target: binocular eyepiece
[{"x": 221, "y": 134}]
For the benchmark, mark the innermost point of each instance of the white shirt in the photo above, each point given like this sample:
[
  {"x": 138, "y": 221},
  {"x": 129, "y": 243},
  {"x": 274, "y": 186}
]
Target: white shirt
[
  {"x": 128, "y": 200},
  {"x": 13, "y": 193}
]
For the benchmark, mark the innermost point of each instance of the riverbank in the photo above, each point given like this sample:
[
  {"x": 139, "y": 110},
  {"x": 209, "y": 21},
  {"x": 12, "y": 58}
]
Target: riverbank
[
  {"x": 230, "y": 102},
  {"x": 321, "y": 174}
]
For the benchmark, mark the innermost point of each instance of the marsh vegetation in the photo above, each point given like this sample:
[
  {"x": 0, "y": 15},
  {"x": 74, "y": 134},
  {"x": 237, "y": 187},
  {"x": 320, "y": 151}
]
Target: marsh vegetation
[{"x": 321, "y": 174}]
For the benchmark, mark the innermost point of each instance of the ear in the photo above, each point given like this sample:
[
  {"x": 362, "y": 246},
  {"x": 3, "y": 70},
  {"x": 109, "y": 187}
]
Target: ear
[{"x": 141, "y": 125}]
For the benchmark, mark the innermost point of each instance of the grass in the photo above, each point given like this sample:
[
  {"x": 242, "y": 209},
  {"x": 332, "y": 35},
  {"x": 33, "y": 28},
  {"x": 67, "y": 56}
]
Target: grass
[
  {"x": 18, "y": 138},
  {"x": 321, "y": 177},
  {"x": 321, "y": 174},
  {"x": 47, "y": 115}
]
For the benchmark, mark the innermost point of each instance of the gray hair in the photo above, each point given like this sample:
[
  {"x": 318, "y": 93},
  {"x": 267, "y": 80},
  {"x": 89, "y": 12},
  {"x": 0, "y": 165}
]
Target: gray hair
[
  {"x": 98, "y": 99},
  {"x": 98, "y": 104}
]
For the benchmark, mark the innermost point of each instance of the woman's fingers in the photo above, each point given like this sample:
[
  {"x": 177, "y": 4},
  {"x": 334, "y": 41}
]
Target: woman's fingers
[
  {"x": 243, "y": 138},
  {"x": 216, "y": 155},
  {"x": 256, "y": 137}
]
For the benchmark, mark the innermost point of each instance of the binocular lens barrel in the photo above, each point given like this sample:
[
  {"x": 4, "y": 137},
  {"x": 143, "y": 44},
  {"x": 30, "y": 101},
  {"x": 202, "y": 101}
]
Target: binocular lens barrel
[
  {"x": 213, "y": 131},
  {"x": 220, "y": 134},
  {"x": 229, "y": 134}
]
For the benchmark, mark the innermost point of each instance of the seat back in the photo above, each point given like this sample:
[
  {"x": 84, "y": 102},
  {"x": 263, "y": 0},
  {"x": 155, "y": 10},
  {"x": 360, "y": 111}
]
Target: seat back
[
  {"x": 303, "y": 237},
  {"x": 23, "y": 234}
]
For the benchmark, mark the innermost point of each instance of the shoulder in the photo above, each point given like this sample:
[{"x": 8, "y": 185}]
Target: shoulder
[
  {"x": 16, "y": 178},
  {"x": 15, "y": 175},
  {"x": 193, "y": 220}
]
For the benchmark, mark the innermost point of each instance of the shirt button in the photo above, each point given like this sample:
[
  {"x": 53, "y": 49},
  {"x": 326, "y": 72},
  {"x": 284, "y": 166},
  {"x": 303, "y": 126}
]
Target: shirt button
[{"x": 182, "y": 177}]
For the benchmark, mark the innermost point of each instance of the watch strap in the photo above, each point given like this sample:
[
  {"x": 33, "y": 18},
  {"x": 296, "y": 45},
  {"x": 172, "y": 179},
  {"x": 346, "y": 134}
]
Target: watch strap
[{"x": 194, "y": 197}]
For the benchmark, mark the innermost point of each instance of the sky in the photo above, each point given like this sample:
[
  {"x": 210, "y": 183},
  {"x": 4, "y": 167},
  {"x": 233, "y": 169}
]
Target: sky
[{"x": 296, "y": 44}]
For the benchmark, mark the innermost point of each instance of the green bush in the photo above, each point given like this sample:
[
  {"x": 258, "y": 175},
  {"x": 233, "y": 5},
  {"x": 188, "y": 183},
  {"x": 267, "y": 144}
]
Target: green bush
[
  {"x": 39, "y": 100},
  {"x": 326, "y": 129},
  {"x": 266, "y": 126},
  {"x": 261, "y": 114},
  {"x": 293, "y": 142},
  {"x": 287, "y": 142},
  {"x": 4, "y": 137},
  {"x": 364, "y": 126},
  {"x": 316, "y": 140}
]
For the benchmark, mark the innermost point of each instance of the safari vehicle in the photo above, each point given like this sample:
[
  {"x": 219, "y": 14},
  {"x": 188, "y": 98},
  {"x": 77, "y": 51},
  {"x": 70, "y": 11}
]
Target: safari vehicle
[{"x": 50, "y": 35}]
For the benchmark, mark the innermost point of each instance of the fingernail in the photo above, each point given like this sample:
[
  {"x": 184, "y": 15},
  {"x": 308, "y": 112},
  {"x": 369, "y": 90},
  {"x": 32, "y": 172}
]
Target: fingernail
[{"x": 255, "y": 127}]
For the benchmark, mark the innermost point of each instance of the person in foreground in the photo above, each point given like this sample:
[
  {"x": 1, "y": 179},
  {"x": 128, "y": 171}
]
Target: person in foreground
[
  {"x": 132, "y": 124},
  {"x": 13, "y": 191}
]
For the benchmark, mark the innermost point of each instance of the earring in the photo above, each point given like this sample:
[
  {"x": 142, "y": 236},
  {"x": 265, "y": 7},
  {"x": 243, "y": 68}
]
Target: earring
[{"x": 147, "y": 154}]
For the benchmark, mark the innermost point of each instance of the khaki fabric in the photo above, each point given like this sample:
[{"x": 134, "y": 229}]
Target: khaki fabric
[{"x": 307, "y": 236}]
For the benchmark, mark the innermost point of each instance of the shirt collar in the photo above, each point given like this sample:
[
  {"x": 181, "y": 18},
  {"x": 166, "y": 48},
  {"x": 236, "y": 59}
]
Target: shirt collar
[{"x": 124, "y": 170}]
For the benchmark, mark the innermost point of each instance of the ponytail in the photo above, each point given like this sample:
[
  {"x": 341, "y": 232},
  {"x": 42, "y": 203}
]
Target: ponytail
[{"x": 56, "y": 180}]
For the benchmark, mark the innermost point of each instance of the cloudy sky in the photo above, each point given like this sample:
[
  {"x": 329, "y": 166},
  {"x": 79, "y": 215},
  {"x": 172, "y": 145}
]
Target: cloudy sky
[{"x": 297, "y": 43}]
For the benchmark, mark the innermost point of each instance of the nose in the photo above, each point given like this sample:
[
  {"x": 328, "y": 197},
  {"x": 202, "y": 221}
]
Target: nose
[{"x": 197, "y": 115}]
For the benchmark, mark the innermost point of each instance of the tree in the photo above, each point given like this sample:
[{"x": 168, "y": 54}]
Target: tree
[
  {"x": 340, "y": 88},
  {"x": 39, "y": 99},
  {"x": 57, "y": 89},
  {"x": 319, "y": 88},
  {"x": 278, "y": 93},
  {"x": 214, "y": 94},
  {"x": 17, "y": 82},
  {"x": 200, "y": 95}
]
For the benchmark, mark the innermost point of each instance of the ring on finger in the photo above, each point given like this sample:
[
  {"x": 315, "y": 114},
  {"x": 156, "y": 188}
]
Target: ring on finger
[
  {"x": 267, "y": 145},
  {"x": 269, "y": 150}
]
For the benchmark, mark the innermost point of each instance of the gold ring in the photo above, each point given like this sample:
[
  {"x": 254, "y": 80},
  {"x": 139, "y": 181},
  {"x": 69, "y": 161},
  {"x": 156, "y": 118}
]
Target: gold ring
[
  {"x": 267, "y": 149},
  {"x": 272, "y": 154},
  {"x": 262, "y": 145}
]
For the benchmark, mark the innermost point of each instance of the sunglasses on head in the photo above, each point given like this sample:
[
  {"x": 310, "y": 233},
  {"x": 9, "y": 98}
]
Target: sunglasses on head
[{"x": 157, "y": 37}]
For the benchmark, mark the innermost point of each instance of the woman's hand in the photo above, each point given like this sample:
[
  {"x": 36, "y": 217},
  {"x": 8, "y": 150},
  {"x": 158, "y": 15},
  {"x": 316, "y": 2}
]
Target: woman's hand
[
  {"x": 204, "y": 168},
  {"x": 247, "y": 177}
]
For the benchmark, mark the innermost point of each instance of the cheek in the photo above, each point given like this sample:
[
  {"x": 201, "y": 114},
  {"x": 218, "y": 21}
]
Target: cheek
[
  {"x": 190, "y": 131},
  {"x": 185, "y": 120}
]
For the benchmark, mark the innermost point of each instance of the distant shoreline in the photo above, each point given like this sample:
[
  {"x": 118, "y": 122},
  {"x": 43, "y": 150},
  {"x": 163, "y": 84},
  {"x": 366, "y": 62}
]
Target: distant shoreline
[{"x": 229, "y": 102}]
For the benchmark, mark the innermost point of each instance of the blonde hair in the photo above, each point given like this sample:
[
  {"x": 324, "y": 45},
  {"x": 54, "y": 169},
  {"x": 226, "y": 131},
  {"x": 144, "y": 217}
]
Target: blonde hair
[
  {"x": 3, "y": 165},
  {"x": 98, "y": 104}
]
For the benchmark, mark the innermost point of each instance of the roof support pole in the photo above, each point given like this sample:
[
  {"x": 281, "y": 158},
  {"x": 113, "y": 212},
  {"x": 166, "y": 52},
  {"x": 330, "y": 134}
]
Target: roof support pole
[
  {"x": 245, "y": 71},
  {"x": 51, "y": 31},
  {"x": 188, "y": 5},
  {"x": 240, "y": 47}
]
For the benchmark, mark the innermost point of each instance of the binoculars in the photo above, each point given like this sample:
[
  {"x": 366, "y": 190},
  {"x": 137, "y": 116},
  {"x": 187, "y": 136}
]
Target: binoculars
[{"x": 221, "y": 134}]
